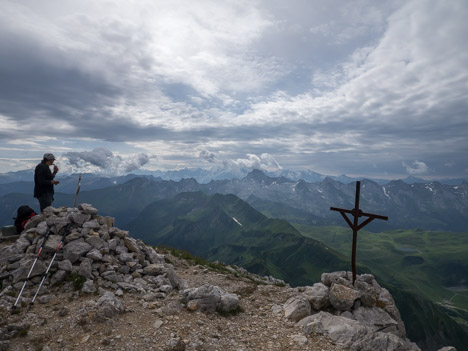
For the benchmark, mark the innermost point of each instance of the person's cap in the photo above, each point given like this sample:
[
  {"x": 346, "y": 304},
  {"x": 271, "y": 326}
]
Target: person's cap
[{"x": 49, "y": 157}]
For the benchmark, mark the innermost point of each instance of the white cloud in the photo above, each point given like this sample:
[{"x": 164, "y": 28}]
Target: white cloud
[
  {"x": 263, "y": 162},
  {"x": 416, "y": 168},
  {"x": 102, "y": 160}
]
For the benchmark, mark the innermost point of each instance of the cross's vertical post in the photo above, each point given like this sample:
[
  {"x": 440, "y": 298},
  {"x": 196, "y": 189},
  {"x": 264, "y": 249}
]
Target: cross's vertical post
[
  {"x": 355, "y": 230},
  {"x": 355, "y": 226}
]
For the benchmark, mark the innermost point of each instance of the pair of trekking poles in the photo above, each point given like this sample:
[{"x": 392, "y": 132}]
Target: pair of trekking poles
[{"x": 45, "y": 274}]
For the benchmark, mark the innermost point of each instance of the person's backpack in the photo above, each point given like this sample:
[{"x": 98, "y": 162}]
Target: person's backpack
[{"x": 24, "y": 214}]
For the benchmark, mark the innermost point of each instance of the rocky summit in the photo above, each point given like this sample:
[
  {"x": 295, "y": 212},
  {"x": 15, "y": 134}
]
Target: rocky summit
[{"x": 108, "y": 291}]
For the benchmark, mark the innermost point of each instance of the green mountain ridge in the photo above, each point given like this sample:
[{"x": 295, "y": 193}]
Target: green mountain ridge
[{"x": 226, "y": 228}]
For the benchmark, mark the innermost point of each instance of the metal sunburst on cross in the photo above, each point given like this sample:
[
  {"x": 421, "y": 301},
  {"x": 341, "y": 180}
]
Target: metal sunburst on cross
[{"x": 355, "y": 226}]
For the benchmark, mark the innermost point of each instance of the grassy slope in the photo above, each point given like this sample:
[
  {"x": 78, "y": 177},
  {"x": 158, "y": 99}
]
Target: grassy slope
[
  {"x": 204, "y": 225},
  {"x": 427, "y": 263}
]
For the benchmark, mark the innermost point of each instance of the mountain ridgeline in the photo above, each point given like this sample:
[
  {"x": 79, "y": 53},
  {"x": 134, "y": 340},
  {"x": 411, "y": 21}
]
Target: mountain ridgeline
[{"x": 429, "y": 206}]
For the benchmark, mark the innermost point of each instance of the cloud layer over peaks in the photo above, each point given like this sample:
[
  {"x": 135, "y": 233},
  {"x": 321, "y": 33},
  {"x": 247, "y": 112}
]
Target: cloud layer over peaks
[{"x": 356, "y": 87}]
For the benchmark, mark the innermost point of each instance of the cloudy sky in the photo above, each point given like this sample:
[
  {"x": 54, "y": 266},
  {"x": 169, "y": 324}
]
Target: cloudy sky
[{"x": 376, "y": 88}]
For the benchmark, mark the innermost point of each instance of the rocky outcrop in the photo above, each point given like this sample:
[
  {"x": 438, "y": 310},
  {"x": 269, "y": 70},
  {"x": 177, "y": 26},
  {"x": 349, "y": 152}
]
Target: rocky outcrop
[
  {"x": 208, "y": 298},
  {"x": 362, "y": 316}
]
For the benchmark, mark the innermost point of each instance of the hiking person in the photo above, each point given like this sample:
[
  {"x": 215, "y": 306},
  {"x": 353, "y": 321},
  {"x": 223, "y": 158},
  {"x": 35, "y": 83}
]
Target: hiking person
[{"x": 44, "y": 181}]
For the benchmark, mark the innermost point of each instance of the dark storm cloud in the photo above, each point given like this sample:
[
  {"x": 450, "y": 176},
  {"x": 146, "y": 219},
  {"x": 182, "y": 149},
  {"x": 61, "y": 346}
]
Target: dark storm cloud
[{"x": 42, "y": 84}]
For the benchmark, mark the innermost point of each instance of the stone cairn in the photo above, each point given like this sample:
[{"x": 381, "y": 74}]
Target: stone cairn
[{"x": 98, "y": 257}]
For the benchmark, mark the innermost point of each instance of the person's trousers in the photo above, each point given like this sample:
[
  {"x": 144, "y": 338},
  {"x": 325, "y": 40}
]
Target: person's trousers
[{"x": 45, "y": 200}]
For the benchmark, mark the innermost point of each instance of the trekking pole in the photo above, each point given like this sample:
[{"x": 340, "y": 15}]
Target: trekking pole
[
  {"x": 32, "y": 267},
  {"x": 44, "y": 276},
  {"x": 77, "y": 190}
]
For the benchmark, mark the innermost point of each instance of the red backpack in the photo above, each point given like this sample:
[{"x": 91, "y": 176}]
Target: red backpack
[{"x": 24, "y": 214}]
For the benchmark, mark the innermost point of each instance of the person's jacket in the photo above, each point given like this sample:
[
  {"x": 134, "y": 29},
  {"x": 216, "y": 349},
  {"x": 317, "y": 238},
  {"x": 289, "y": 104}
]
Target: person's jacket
[{"x": 42, "y": 180}]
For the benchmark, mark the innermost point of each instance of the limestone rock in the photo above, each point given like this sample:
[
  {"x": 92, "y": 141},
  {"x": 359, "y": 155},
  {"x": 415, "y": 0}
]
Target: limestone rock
[
  {"x": 96, "y": 242},
  {"x": 209, "y": 298},
  {"x": 65, "y": 265},
  {"x": 85, "y": 268},
  {"x": 318, "y": 296},
  {"x": 88, "y": 287},
  {"x": 131, "y": 244},
  {"x": 74, "y": 235},
  {"x": 342, "y": 278},
  {"x": 22, "y": 272},
  {"x": 93, "y": 224},
  {"x": 52, "y": 243},
  {"x": 369, "y": 294},
  {"x": 228, "y": 303},
  {"x": 376, "y": 319},
  {"x": 297, "y": 308},
  {"x": 80, "y": 218},
  {"x": 340, "y": 330},
  {"x": 108, "y": 306},
  {"x": 42, "y": 228},
  {"x": 154, "y": 269},
  {"x": 88, "y": 209},
  {"x": 74, "y": 250},
  {"x": 22, "y": 243},
  {"x": 342, "y": 298},
  {"x": 95, "y": 255},
  {"x": 58, "y": 277}
]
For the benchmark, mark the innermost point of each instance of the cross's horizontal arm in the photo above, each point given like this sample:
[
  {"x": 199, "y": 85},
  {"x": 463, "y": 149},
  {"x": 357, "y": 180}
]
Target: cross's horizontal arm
[{"x": 360, "y": 213}]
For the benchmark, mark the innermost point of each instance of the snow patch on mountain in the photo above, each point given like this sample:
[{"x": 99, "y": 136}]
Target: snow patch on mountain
[{"x": 235, "y": 220}]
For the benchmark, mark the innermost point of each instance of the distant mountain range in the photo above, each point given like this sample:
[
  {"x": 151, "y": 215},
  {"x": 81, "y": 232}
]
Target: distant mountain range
[
  {"x": 430, "y": 206},
  {"x": 204, "y": 176}
]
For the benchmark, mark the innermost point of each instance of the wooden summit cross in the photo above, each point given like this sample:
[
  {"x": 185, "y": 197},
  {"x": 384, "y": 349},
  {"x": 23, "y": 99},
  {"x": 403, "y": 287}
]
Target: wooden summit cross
[{"x": 355, "y": 226}]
